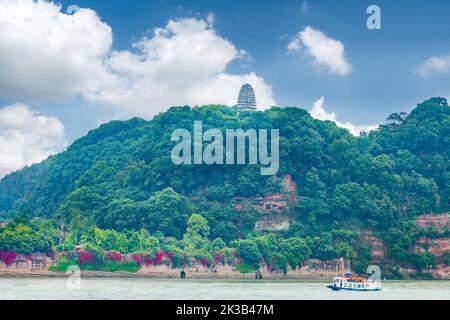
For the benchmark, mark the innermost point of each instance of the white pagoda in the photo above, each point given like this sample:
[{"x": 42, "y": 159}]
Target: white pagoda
[{"x": 246, "y": 100}]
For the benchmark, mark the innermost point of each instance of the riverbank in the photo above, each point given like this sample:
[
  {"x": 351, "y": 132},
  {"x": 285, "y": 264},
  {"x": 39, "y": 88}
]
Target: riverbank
[
  {"x": 84, "y": 274},
  {"x": 39, "y": 266}
]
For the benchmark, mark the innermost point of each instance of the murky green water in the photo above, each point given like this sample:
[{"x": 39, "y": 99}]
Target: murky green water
[{"x": 25, "y": 288}]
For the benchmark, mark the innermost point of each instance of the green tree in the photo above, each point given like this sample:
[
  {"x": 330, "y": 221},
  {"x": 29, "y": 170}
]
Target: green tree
[
  {"x": 218, "y": 244},
  {"x": 296, "y": 250},
  {"x": 167, "y": 213},
  {"x": 135, "y": 243},
  {"x": 197, "y": 231},
  {"x": 248, "y": 251}
]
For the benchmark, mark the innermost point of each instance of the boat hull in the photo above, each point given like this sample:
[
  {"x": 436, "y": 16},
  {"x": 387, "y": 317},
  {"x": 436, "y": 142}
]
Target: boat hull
[{"x": 351, "y": 289}]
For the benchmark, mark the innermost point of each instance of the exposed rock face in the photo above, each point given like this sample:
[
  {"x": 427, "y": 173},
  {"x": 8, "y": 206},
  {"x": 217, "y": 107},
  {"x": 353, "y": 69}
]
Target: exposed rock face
[
  {"x": 32, "y": 262},
  {"x": 440, "y": 222},
  {"x": 437, "y": 247},
  {"x": 377, "y": 245},
  {"x": 273, "y": 206},
  {"x": 275, "y": 202},
  {"x": 273, "y": 223},
  {"x": 290, "y": 187},
  {"x": 270, "y": 202},
  {"x": 310, "y": 269},
  {"x": 442, "y": 272}
]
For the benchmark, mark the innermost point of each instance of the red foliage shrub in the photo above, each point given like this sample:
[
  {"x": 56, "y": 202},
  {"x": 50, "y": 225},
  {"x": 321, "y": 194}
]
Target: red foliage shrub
[
  {"x": 113, "y": 256},
  {"x": 204, "y": 262},
  {"x": 138, "y": 258},
  {"x": 156, "y": 260},
  {"x": 217, "y": 258},
  {"x": 85, "y": 257},
  {"x": 8, "y": 257}
]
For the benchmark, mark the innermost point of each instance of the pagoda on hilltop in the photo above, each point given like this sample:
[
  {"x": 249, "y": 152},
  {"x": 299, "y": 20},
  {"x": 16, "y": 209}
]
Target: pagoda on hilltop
[{"x": 246, "y": 100}]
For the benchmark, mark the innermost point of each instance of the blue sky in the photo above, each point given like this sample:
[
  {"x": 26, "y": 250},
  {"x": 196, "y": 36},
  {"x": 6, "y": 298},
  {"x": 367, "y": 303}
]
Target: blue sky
[
  {"x": 384, "y": 76},
  {"x": 382, "y": 80}
]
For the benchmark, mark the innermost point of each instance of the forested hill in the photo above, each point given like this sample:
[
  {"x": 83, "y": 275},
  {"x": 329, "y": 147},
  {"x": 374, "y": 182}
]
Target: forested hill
[{"x": 120, "y": 176}]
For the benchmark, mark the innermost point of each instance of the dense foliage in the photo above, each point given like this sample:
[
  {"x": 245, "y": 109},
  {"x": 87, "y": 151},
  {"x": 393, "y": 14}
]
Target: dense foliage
[{"x": 114, "y": 187}]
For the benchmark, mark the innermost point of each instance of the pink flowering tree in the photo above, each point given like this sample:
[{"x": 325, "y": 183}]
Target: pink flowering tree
[
  {"x": 113, "y": 256},
  {"x": 8, "y": 257},
  {"x": 158, "y": 258},
  {"x": 84, "y": 257}
]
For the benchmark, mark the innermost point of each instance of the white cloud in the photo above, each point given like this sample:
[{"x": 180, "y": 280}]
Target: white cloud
[
  {"x": 436, "y": 64},
  {"x": 318, "y": 112},
  {"x": 27, "y": 138},
  {"x": 325, "y": 51},
  {"x": 183, "y": 63},
  {"x": 46, "y": 54}
]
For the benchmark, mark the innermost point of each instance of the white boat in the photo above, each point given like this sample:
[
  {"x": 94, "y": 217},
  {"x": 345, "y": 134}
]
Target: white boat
[{"x": 353, "y": 283}]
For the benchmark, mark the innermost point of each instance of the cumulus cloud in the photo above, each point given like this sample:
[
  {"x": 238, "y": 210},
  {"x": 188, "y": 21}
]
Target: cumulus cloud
[
  {"x": 438, "y": 64},
  {"x": 27, "y": 137},
  {"x": 183, "y": 63},
  {"x": 326, "y": 52},
  {"x": 46, "y": 54},
  {"x": 318, "y": 112}
]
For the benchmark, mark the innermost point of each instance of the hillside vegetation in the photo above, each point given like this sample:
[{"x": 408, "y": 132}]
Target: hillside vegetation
[{"x": 120, "y": 179}]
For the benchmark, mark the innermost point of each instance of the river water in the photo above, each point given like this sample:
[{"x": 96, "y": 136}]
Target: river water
[{"x": 172, "y": 289}]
